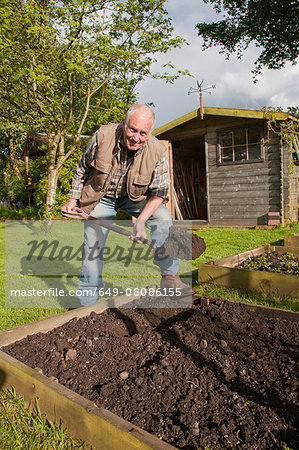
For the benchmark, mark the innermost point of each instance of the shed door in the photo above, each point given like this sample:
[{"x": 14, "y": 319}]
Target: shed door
[{"x": 170, "y": 203}]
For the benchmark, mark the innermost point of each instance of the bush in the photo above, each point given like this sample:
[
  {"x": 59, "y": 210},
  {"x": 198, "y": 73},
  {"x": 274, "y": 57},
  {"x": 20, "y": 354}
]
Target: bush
[{"x": 18, "y": 211}]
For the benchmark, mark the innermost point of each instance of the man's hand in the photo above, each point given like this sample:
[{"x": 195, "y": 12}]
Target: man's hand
[
  {"x": 139, "y": 232},
  {"x": 70, "y": 206}
]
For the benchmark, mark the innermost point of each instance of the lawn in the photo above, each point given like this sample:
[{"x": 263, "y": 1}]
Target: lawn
[
  {"x": 223, "y": 242},
  {"x": 220, "y": 242},
  {"x": 22, "y": 429}
]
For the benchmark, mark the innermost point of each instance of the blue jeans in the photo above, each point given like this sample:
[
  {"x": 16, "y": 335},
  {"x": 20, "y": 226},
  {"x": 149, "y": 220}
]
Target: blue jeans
[{"x": 95, "y": 235}]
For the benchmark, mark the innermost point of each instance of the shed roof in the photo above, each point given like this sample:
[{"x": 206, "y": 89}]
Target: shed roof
[{"x": 209, "y": 112}]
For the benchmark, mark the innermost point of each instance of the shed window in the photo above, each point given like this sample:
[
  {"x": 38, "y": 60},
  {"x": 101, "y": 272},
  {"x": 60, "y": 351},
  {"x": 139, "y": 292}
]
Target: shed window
[{"x": 239, "y": 145}]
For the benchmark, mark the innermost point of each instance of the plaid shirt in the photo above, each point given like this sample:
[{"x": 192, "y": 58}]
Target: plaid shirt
[{"x": 117, "y": 188}]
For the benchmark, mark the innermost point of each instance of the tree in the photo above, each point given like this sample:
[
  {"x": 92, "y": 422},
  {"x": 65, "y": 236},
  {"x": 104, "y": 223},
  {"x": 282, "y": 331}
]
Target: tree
[
  {"x": 64, "y": 62},
  {"x": 271, "y": 24}
]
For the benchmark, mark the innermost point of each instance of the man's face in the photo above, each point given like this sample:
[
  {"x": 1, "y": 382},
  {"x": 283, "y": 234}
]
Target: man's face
[{"x": 137, "y": 130}]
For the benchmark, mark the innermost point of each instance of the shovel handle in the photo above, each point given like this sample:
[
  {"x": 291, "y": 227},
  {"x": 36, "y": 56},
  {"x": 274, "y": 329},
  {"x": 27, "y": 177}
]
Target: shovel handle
[
  {"x": 80, "y": 214},
  {"x": 110, "y": 226}
]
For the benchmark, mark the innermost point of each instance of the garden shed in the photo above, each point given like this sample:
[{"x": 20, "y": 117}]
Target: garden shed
[{"x": 230, "y": 168}]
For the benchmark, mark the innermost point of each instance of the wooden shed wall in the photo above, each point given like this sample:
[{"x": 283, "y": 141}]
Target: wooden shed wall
[
  {"x": 290, "y": 187},
  {"x": 243, "y": 194}
]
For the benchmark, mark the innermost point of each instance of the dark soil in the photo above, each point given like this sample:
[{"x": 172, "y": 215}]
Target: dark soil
[
  {"x": 210, "y": 377},
  {"x": 284, "y": 263},
  {"x": 181, "y": 244}
]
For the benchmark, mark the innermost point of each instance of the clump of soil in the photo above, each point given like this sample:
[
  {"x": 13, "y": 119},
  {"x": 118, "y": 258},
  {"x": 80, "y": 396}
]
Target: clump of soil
[
  {"x": 217, "y": 376},
  {"x": 181, "y": 244},
  {"x": 285, "y": 263}
]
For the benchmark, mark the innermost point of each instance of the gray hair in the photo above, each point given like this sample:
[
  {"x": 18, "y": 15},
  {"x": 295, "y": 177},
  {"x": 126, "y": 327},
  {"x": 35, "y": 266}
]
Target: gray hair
[{"x": 144, "y": 109}]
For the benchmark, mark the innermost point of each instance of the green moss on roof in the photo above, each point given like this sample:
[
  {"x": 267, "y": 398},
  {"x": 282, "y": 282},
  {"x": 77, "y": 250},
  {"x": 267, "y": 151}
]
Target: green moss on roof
[{"x": 230, "y": 112}]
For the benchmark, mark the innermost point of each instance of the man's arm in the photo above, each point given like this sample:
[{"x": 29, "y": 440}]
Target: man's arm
[
  {"x": 159, "y": 193},
  {"x": 151, "y": 206},
  {"x": 80, "y": 175},
  {"x": 69, "y": 206}
]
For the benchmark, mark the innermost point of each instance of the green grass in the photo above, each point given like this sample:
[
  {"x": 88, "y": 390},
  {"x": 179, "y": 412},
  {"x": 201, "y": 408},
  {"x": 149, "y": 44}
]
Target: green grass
[
  {"x": 220, "y": 242},
  {"x": 21, "y": 428},
  {"x": 12, "y": 213},
  {"x": 46, "y": 259},
  {"x": 255, "y": 297},
  {"x": 16, "y": 316},
  {"x": 223, "y": 242}
]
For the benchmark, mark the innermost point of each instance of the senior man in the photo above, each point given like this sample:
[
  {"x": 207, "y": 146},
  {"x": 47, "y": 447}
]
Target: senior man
[{"x": 125, "y": 167}]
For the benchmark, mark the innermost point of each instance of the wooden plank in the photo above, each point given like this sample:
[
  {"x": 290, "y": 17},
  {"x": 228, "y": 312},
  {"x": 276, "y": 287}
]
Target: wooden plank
[
  {"x": 245, "y": 211},
  {"x": 247, "y": 202},
  {"x": 243, "y": 192},
  {"x": 236, "y": 180},
  {"x": 292, "y": 240},
  {"x": 257, "y": 191},
  {"x": 179, "y": 135},
  {"x": 223, "y": 214},
  {"x": 273, "y": 151},
  {"x": 170, "y": 203},
  {"x": 251, "y": 191},
  {"x": 244, "y": 113},
  {"x": 234, "y": 221},
  {"x": 272, "y": 145},
  {"x": 268, "y": 311},
  {"x": 207, "y": 179},
  {"x": 231, "y": 188},
  {"x": 238, "y": 258},
  {"x": 270, "y": 283},
  {"x": 215, "y": 189},
  {"x": 251, "y": 177},
  {"x": 273, "y": 158},
  {"x": 234, "y": 209},
  {"x": 231, "y": 191},
  {"x": 248, "y": 171},
  {"x": 269, "y": 159},
  {"x": 285, "y": 249},
  {"x": 98, "y": 427},
  {"x": 258, "y": 309},
  {"x": 243, "y": 202}
]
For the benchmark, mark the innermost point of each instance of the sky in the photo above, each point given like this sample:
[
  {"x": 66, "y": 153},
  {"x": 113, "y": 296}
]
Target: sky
[{"x": 233, "y": 77}]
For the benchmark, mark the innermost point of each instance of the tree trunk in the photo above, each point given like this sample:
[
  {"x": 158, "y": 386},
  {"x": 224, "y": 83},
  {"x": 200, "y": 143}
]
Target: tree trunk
[
  {"x": 51, "y": 191},
  {"x": 53, "y": 173},
  {"x": 12, "y": 156}
]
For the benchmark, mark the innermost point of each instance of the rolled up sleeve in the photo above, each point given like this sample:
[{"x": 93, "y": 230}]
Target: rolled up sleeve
[
  {"x": 83, "y": 168},
  {"x": 159, "y": 184}
]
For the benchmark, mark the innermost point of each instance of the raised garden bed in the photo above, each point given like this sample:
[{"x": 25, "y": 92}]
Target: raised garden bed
[
  {"x": 229, "y": 273},
  {"x": 283, "y": 263},
  {"x": 219, "y": 375}
]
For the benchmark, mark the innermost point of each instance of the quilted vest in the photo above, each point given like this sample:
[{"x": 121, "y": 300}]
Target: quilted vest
[{"x": 104, "y": 165}]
